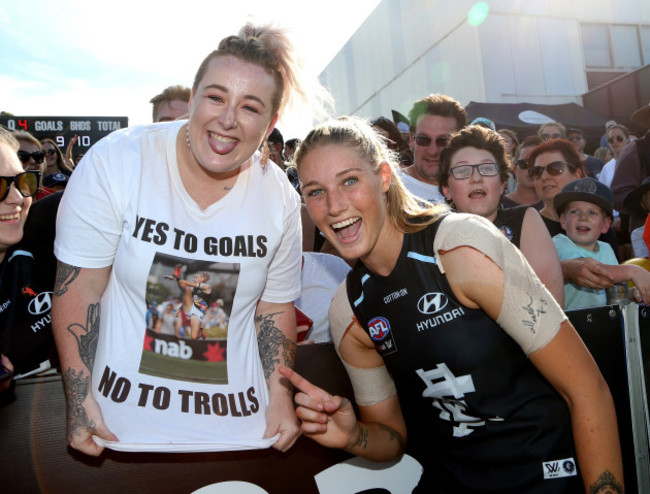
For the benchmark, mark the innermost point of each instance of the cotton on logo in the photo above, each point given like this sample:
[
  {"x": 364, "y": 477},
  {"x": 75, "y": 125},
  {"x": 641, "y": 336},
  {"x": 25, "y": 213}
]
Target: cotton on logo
[
  {"x": 432, "y": 303},
  {"x": 40, "y": 304}
]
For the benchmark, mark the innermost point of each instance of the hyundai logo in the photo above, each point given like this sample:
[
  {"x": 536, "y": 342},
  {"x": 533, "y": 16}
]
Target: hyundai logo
[
  {"x": 432, "y": 303},
  {"x": 40, "y": 304}
]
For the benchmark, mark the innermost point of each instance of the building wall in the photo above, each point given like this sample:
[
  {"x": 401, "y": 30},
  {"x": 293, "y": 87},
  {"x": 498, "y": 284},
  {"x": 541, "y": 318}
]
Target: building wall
[{"x": 524, "y": 51}]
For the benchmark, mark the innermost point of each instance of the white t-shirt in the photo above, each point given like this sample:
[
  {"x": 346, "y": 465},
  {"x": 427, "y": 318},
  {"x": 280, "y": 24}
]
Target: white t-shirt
[
  {"x": 423, "y": 190},
  {"x": 126, "y": 207},
  {"x": 321, "y": 276},
  {"x": 606, "y": 176}
]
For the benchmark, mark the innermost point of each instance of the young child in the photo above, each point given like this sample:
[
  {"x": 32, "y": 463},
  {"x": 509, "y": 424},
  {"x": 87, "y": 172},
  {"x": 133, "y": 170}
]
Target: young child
[
  {"x": 585, "y": 210},
  {"x": 638, "y": 201}
]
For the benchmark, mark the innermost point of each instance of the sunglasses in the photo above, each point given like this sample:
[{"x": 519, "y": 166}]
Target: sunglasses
[
  {"x": 37, "y": 156},
  {"x": 425, "y": 141},
  {"x": 50, "y": 152},
  {"x": 615, "y": 138},
  {"x": 463, "y": 172},
  {"x": 26, "y": 183},
  {"x": 554, "y": 169},
  {"x": 546, "y": 137},
  {"x": 523, "y": 164}
]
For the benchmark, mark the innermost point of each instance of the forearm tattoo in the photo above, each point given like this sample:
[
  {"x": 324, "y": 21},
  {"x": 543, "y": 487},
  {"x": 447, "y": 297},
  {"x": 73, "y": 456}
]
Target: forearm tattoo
[
  {"x": 88, "y": 335},
  {"x": 394, "y": 435},
  {"x": 77, "y": 387},
  {"x": 65, "y": 274},
  {"x": 361, "y": 439},
  {"x": 606, "y": 484},
  {"x": 271, "y": 341}
]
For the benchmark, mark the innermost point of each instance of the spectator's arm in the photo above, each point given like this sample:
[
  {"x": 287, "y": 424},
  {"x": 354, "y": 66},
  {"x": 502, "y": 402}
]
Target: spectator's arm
[{"x": 76, "y": 315}]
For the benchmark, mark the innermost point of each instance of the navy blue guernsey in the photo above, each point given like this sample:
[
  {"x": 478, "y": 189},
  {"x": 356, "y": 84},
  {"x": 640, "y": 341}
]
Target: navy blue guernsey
[{"x": 480, "y": 417}]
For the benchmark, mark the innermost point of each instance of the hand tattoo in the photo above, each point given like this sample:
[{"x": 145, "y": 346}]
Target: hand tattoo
[
  {"x": 606, "y": 484},
  {"x": 87, "y": 336},
  {"x": 65, "y": 274},
  {"x": 77, "y": 387}
]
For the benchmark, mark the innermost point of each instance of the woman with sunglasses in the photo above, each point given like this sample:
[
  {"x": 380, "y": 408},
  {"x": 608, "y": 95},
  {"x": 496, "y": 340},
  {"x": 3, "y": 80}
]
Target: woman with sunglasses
[
  {"x": 32, "y": 156},
  {"x": 555, "y": 163},
  {"x": 618, "y": 136},
  {"x": 196, "y": 192},
  {"x": 23, "y": 280},
  {"x": 524, "y": 192},
  {"x": 473, "y": 176},
  {"x": 445, "y": 331},
  {"x": 54, "y": 160}
]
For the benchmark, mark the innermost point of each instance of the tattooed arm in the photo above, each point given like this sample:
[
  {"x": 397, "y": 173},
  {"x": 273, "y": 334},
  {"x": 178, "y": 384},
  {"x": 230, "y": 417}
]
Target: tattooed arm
[
  {"x": 75, "y": 323},
  {"x": 380, "y": 432},
  {"x": 276, "y": 339}
]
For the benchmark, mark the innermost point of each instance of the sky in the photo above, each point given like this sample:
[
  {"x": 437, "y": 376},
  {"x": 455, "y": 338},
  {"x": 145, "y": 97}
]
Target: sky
[{"x": 90, "y": 58}]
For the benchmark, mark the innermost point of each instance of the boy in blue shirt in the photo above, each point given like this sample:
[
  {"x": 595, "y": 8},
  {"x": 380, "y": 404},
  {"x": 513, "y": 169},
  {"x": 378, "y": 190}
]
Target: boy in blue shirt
[{"x": 585, "y": 210}]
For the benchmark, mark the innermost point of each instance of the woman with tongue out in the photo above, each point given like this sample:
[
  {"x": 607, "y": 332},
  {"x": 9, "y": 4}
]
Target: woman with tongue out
[
  {"x": 479, "y": 190},
  {"x": 445, "y": 331},
  {"x": 195, "y": 192}
]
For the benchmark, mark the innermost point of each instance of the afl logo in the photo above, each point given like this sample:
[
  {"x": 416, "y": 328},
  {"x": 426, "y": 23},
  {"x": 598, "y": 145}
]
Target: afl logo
[
  {"x": 432, "y": 303},
  {"x": 378, "y": 328},
  {"x": 40, "y": 304}
]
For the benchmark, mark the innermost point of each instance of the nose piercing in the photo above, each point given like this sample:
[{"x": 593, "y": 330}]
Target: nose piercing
[{"x": 235, "y": 125}]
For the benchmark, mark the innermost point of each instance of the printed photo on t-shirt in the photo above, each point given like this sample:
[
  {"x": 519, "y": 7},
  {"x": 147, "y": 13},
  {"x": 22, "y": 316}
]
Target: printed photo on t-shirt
[{"x": 187, "y": 316}]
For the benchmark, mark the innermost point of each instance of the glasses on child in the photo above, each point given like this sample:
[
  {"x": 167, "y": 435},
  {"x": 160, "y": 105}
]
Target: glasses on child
[
  {"x": 463, "y": 172},
  {"x": 554, "y": 169},
  {"x": 615, "y": 138},
  {"x": 37, "y": 156},
  {"x": 26, "y": 183},
  {"x": 425, "y": 141},
  {"x": 546, "y": 137}
]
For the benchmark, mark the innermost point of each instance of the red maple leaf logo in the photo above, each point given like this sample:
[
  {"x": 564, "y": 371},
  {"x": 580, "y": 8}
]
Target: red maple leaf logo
[
  {"x": 147, "y": 342},
  {"x": 215, "y": 353}
]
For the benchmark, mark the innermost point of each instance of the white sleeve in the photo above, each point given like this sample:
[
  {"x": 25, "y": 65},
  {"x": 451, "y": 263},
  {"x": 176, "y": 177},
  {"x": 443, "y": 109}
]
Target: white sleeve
[
  {"x": 283, "y": 278},
  {"x": 529, "y": 313},
  {"x": 89, "y": 221}
]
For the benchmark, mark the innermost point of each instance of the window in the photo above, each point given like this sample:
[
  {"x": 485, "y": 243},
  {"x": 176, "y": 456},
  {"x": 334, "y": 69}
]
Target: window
[{"x": 615, "y": 46}]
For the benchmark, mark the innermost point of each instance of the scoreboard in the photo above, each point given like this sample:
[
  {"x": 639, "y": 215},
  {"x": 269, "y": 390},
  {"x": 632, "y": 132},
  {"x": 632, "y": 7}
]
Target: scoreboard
[{"x": 88, "y": 130}]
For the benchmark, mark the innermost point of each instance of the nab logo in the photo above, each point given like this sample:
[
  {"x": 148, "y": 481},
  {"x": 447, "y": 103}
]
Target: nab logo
[
  {"x": 432, "y": 303},
  {"x": 41, "y": 304},
  {"x": 378, "y": 328}
]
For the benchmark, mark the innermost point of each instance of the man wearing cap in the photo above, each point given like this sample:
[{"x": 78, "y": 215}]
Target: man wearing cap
[
  {"x": 592, "y": 164},
  {"x": 432, "y": 120},
  {"x": 632, "y": 167}
]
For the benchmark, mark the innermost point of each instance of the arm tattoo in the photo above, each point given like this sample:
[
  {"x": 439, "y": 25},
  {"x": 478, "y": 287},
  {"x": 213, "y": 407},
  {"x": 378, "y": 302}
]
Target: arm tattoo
[
  {"x": 361, "y": 440},
  {"x": 65, "y": 274},
  {"x": 77, "y": 387},
  {"x": 606, "y": 484},
  {"x": 394, "y": 435},
  {"x": 270, "y": 341},
  {"x": 87, "y": 336}
]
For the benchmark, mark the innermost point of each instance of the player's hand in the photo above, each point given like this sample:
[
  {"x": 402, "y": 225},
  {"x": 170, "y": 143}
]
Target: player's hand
[{"x": 329, "y": 420}]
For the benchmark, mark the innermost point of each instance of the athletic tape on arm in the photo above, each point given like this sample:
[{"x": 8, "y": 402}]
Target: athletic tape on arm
[
  {"x": 529, "y": 314},
  {"x": 370, "y": 385}
]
